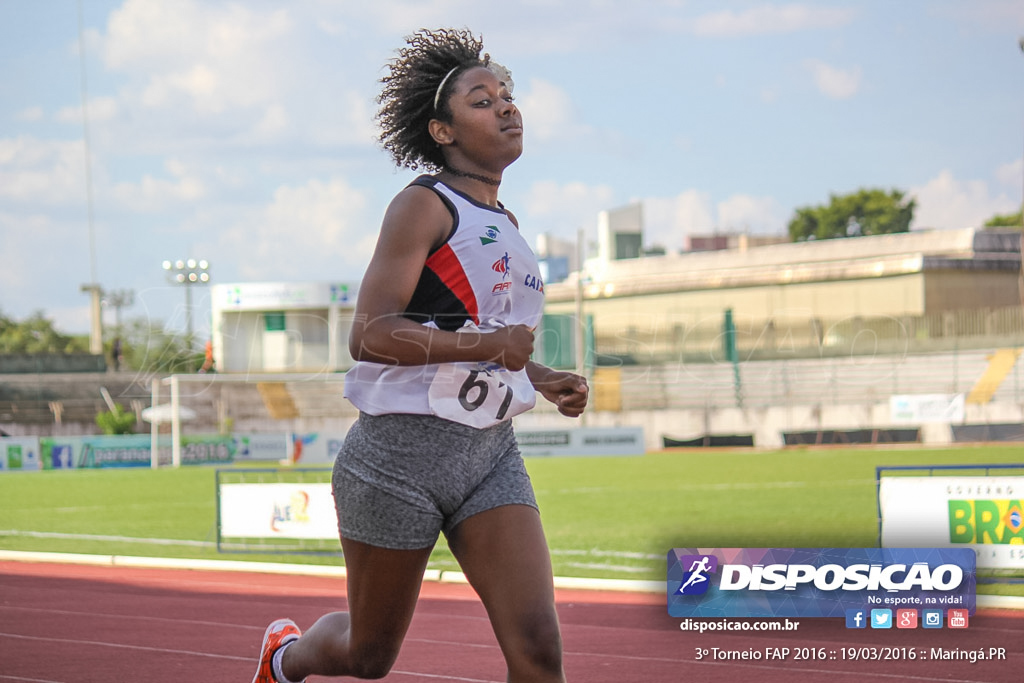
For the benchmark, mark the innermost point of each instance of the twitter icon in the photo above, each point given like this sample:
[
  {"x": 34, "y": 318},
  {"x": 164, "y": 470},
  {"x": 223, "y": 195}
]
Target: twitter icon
[{"x": 881, "y": 618}]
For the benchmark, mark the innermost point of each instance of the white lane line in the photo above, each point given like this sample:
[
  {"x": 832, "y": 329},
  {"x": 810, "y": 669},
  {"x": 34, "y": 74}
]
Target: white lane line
[{"x": 145, "y": 648}]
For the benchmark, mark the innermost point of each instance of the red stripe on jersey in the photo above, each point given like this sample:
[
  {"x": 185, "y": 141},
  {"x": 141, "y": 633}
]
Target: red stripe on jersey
[{"x": 447, "y": 267}]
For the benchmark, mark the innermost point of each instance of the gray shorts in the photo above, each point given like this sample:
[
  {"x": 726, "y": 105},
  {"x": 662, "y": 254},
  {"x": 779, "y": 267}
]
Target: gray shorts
[{"x": 401, "y": 479}]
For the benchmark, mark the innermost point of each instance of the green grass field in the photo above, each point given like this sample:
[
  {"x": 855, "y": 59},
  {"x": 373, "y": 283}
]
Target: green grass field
[{"x": 609, "y": 517}]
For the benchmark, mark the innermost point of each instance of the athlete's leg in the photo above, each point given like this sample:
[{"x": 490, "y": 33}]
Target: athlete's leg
[
  {"x": 383, "y": 586},
  {"x": 505, "y": 557}
]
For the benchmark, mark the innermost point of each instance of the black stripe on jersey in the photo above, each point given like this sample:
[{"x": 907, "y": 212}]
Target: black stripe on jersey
[{"x": 433, "y": 300}]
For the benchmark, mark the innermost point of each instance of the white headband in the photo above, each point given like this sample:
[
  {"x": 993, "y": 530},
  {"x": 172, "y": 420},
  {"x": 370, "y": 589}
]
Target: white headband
[
  {"x": 437, "y": 95},
  {"x": 500, "y": 72}
]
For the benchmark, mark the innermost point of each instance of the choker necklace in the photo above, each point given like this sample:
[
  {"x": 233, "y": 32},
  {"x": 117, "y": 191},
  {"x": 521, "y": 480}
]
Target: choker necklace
[{"x": 482, "y": 178}]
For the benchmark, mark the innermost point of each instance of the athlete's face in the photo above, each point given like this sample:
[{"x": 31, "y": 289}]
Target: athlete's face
[{"x": 485, "y": 125}]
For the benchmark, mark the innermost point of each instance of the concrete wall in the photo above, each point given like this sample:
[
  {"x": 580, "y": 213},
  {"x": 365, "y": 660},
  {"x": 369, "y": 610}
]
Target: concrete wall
[{"x": 767, "y": 425}]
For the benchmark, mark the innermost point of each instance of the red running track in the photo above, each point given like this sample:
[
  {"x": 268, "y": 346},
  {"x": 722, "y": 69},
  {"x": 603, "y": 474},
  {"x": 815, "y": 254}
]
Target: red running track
[{"x": 62, "y": 623}]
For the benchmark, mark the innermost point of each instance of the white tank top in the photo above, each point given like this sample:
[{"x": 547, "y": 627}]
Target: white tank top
[{"x": 484, "y": 276}]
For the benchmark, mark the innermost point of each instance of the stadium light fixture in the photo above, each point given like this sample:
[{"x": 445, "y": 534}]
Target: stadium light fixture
[{"x": 188, "y": 272}]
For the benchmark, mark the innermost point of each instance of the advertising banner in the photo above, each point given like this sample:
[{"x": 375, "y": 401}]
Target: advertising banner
[
  {"x": 984, "y": 514},
  {"x": 129, "y": 450},
  {"x": 278, "y": 510},
  {"x": 819, "y": 582},
  {"x": 582, "y": 441},
  {"x": 315, "y": 448},
  {"x": 273, "y": 447},
  {"x": 19, "y": 453},
  {"x": 297, "y": 448},
  {"x": 916, "y": 409}
]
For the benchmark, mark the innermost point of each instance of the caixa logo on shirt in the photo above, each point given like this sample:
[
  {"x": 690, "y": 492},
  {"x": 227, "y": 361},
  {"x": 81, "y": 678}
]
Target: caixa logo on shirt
[{"x": 534, "y": 282}]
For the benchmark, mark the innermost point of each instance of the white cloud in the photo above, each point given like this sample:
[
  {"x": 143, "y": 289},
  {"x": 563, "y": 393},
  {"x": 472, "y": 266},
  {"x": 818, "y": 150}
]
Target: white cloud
[
  {"x": 839, "y": 84},
  {"x": 100, "y": 109},
  {"x": 769, "y": 19},
  {"x": 350, "y": 120},
  {"x": 45, "y": 258},
  {"x": 548, "y": 112},
  {"x": 562, "y": 209},
  {"x": 669, "y": 220},
  {"x": 148, "y": 34},
  {"x": 200, "y": 82},
  {"x": 274, "y": 121},
  {"x": 50, "y": 171},
  {"x": 30, "y": 114},
  {"x": 213, "y": 56},
  {"x": 248, "y": 70},
  {"x": 1011, "y": 175},
  {"x": 533, "y": 26},
  {"x": 153, "y": 194},
  {"x": 744, "y": 213},
  {"x": 945, "y": 202},
  {"x": 999, "y": 15},
  {"x": 315, "y": 230},
  {"x": 14, "y": 233}
]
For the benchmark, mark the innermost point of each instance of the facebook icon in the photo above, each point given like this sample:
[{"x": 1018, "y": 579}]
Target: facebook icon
[{"x": 856, "y": 618}]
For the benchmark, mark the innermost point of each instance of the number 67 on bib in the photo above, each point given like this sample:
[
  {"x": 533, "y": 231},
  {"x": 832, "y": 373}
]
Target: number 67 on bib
[{"x": 479, "y": 396}]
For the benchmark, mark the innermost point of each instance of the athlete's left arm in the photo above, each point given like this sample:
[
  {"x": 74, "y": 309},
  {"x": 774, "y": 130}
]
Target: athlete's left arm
[{"x": 566, "y": 390}]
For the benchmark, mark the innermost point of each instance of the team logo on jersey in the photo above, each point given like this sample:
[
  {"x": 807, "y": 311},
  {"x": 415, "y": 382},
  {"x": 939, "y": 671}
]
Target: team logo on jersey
[
  {"x": 501, "y": 266},
  {"x": 491, "y": 234}
]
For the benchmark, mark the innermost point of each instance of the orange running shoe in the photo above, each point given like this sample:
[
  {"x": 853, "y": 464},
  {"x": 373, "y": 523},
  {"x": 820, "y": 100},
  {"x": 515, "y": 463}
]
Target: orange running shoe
[{"x": 279, "y": 633}]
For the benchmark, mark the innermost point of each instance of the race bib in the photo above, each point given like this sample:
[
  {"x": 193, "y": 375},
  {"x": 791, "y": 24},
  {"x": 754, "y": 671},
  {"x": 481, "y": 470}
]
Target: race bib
[{"x": 479, "y": 394}]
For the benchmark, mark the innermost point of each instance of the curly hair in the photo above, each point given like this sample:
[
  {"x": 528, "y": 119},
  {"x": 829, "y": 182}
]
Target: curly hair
[{"x": 430, "y": 60}]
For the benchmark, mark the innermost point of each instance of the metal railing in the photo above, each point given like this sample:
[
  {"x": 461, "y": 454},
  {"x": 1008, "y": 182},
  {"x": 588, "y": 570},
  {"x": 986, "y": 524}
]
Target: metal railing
[
  {"x": 701, "y": 340},
  {"x": 850, "y": 380}
]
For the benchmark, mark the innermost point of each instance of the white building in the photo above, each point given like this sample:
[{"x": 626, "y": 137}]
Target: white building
[{"x": 294, "y": 327}]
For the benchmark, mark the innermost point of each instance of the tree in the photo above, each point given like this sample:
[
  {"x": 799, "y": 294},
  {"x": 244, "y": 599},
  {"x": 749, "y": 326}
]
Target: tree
[
  {"x": 116, "y": 421},
  {"x": 865, "y": 212},
  {"x": 38, "y": 335},
  {"x": 1008, "y": 220},
  {"x": 147, "y": 347}
]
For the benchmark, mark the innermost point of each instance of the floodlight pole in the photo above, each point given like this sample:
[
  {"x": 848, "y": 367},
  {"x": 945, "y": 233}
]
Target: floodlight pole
[
  {"x": 175, "y": 422},
  {"x": 188, "y": 318},
  {"x": 92, "y": 287},
  {"x": 154, "y": 428},
  {"x": 187, "y": 273},
  {"x": 95, "y": 317},
  {"x": 119, "y": 299}
]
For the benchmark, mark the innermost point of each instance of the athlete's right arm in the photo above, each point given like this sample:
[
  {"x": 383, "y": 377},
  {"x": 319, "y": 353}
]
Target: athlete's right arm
[{"x": 415, "y": 223}]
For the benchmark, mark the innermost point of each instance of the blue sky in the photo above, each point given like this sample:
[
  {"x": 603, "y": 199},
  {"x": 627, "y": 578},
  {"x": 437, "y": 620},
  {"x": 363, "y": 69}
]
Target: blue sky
[{"x": 243, "y": 132}]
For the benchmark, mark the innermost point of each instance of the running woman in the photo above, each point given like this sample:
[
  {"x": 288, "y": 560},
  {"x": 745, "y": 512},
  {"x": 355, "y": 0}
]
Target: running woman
[{"x": 443, "y": 338}]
